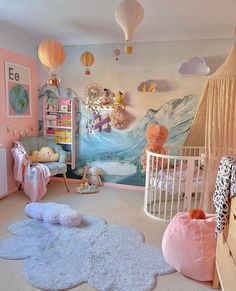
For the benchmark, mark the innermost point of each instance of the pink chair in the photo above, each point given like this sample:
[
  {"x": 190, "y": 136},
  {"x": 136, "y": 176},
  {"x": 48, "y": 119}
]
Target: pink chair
[{"x": 189, "y": 245}]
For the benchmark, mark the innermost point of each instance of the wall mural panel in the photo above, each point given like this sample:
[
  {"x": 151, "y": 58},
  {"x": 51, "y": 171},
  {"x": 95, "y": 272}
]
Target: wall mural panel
[{"x": 118, "y": 153}]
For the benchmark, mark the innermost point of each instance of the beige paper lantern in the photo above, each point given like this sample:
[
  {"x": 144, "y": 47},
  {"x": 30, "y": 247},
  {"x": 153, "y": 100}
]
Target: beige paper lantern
[{"x": 129, "y": 14}]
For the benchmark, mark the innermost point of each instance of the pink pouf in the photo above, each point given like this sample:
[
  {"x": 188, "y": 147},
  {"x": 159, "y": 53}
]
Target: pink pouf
[{"x": 189, "y": 245}]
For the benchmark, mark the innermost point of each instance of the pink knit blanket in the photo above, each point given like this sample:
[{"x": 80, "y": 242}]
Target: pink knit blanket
[{"x": 33, "y": 177}]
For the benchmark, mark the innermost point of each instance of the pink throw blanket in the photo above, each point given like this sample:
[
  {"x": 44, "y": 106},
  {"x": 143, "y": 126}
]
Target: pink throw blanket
[{"x": 33, "y": 177}]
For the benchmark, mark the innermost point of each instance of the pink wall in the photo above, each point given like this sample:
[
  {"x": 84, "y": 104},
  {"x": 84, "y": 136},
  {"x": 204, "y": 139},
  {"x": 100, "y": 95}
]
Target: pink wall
[{"x": 7, "y": 138}]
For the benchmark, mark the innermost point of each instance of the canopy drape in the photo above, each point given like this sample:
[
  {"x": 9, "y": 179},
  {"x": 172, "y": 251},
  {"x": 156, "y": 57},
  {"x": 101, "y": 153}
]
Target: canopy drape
[{"x": 214, "y": 124}]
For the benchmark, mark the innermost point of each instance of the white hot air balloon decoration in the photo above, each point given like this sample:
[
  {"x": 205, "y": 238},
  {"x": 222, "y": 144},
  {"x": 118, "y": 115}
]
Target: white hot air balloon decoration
[{"x": 129, "y": 14}]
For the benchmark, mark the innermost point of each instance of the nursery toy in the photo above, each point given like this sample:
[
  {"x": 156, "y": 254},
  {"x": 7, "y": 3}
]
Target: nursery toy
[
  {"x": 156, "y": 137},
  {"x": 86, "y": 189},
  {"x": 119, "y": 99},
  {"x": 84, "y": 185},
  {"x": 106, "y": 97},
  {"x": 119, "y": 118},
  {"x": 53, "y": 213},
  {"x": 45, "y": 154},
  {"x": 85, "y": 179},
  {"x": 95, "y": 176},
  {"x": 197, "y": 213}
]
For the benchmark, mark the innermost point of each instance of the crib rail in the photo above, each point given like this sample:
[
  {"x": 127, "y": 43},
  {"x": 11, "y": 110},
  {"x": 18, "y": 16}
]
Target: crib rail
[{"x": 173, "y": 182}]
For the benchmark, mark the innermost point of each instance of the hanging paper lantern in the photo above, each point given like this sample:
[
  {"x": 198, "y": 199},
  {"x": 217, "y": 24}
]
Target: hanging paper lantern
[
  {"x": 87, "y": 59},
  {"x": 129, "y": 14},
  {"x": 129, "y": 50},
  {"x": 117, "y": 53},
  {"x": 52, "y": 55}
]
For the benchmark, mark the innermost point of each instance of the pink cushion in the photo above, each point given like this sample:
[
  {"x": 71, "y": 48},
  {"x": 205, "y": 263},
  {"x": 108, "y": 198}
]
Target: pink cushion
[{"x": 189, "y": 245}]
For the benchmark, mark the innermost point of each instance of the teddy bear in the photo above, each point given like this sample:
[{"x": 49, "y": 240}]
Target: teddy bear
[
  {"x": 156, "y": 137},
  {"x": 45, "y": 154}
]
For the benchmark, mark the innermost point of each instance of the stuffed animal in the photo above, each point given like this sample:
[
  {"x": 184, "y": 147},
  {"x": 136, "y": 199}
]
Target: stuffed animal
[
  {"x": 156, "y": 137},
  {"x": 53, "y": 213},
  {"x": 106, "y": 98},
  {"x": 119, "y": 99},
  {"x": 46, "y": 154},
  {"x": 95, "y": 176},
  {"x": 85, "y": 179}
]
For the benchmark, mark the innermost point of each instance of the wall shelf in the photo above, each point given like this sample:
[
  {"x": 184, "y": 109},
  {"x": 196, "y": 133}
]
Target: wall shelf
[{"x": 104, "y": 107}]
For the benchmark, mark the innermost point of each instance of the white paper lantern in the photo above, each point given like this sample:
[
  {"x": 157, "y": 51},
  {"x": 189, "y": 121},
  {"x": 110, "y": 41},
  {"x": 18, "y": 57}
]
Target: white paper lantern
[{"x": 129, "y": 14}]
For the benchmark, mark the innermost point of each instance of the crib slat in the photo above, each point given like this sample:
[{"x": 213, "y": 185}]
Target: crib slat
[
  {"x": 179, "y": 192},
  {"x": 152, "y": 188},
  {"x": 160, "y": 187},
  {"x": 197, "y": 183},
  {"x": 173, "y": 189},
  {"x": 166, "y": 188},
  {"x": 147, "y": 182},
  {"x": 155, "y": 188},
  {"x": 188, "y": 184}
]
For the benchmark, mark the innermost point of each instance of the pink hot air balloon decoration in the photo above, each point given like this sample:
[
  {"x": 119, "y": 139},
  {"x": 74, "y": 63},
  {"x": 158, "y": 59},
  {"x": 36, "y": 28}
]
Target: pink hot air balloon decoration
[{"x": 117, "y": 53}]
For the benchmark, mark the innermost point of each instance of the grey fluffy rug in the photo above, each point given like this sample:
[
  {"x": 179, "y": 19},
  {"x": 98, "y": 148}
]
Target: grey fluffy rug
[{"x": 108, "y": 257}]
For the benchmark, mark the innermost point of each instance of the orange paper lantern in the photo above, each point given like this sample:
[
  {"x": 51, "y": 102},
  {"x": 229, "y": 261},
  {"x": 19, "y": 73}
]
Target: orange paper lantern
[
  {"x": 51, "y": 53},
  {"x": 87, "y": 59}
]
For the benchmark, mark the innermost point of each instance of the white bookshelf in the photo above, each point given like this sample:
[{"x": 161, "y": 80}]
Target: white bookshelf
[{"x": 54, "y": 130}]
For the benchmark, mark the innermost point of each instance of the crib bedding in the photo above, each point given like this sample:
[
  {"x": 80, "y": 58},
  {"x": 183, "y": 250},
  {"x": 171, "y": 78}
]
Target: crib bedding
[{"x": 175, "y": 180}]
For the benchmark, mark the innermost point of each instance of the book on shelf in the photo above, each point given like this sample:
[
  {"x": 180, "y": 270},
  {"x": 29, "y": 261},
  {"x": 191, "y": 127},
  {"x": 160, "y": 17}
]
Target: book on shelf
[
  {"x": 62, "y": 136},
  {"x": 51, "y": 119},
  {"x": 55, "y": 119},
  {"x": 50, "y": 131},
  {"x": 58, "y": 105}
]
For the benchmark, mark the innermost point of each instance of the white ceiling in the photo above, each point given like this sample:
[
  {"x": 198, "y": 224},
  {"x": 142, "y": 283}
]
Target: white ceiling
[{"x": 92, "y": 21}]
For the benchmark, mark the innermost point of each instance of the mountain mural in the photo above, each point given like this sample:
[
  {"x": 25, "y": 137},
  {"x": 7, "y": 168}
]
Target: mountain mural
[{"x": 118, "y": 152}]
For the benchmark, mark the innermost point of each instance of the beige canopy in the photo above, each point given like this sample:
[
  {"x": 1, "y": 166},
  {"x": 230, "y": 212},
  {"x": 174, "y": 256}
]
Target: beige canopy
[{"x": 215, "y": 123}]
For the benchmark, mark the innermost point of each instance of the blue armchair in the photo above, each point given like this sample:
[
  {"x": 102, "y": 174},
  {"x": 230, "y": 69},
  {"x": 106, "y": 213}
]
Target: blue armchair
[{"x": 36, "y": 143}]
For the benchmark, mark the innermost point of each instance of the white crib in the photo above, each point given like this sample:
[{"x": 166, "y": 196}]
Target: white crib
[{"x": 173, "y": 181}]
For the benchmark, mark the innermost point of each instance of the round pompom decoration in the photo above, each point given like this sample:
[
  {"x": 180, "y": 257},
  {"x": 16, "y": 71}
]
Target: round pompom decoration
[{"x": 197, "y": 213}]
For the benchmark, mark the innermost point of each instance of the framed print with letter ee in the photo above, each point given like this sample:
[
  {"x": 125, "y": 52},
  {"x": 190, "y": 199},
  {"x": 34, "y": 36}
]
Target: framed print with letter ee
[{"x": 18, "y": 90}]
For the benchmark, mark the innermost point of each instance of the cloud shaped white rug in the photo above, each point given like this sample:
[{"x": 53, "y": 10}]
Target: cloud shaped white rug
[{"x": 108, "y": 257}]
